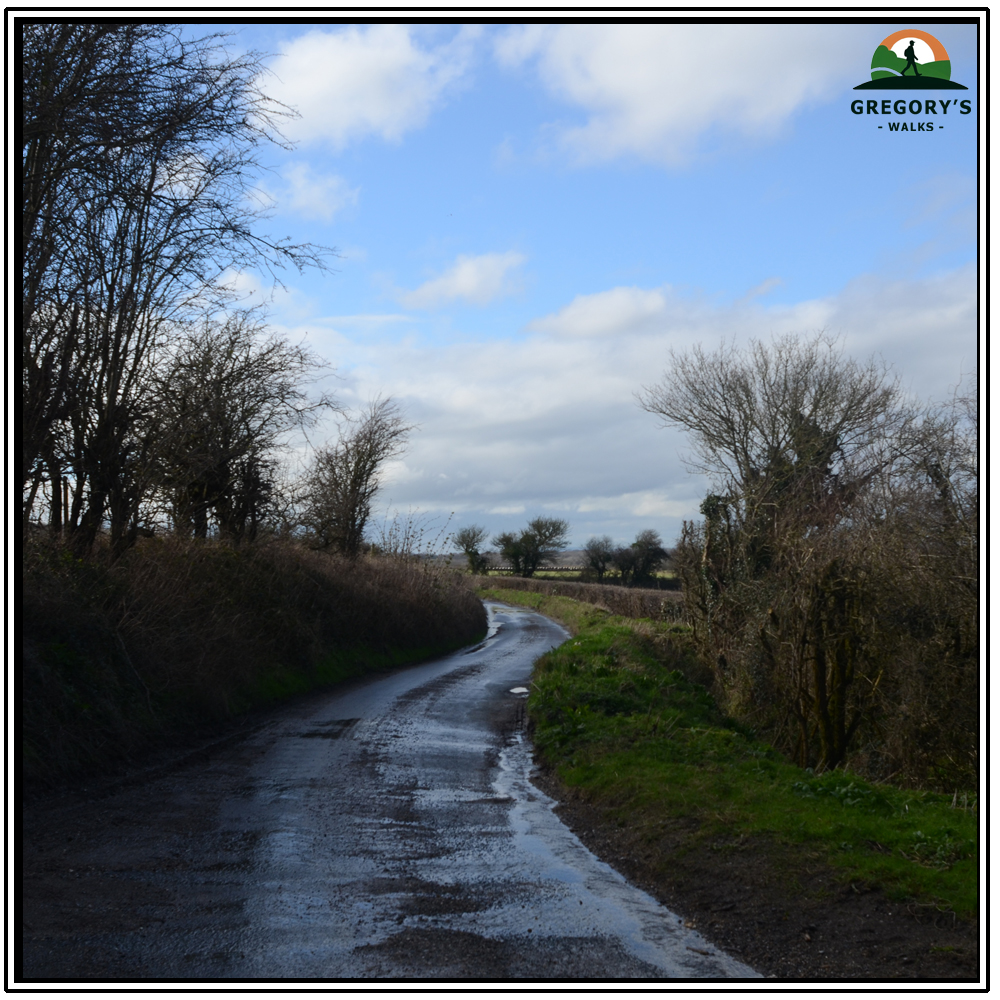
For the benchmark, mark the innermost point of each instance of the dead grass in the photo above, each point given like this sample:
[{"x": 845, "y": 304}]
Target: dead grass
[
  {"x": 659, "y": 605},
  {"x": 181, "y": 633}
]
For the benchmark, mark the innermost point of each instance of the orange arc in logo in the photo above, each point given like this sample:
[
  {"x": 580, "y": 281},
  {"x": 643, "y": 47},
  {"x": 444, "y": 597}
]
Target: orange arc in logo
[{"x": 937, "y": 48}]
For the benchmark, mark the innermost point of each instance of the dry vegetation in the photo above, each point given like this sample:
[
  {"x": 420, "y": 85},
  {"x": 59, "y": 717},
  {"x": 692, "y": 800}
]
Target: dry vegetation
[
  {"x": 181, "y": 632},
  {"x": 833, "y": 585},
  {"x": 629, "y": 602},
  {"x": 158, "y": 418}
]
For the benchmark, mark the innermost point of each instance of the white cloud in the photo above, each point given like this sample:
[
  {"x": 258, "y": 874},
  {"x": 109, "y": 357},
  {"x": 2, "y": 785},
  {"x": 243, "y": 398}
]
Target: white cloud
[
  {"x": 616, "y": 311},
  {"x": 316, "y": 195},
  {"x": 365, "y": 320},
  {"x": 549, "y": 422},
  {"x": 476, "y": 279},
  {"x": 642, "y": 504},
  {"x": 927, "y": 327},
  {"x": 359, "y": 81},
  {"x": 759, "y": 291},
  {"x": 244, "y": 285},
  {"x": 656, "y": 91}
]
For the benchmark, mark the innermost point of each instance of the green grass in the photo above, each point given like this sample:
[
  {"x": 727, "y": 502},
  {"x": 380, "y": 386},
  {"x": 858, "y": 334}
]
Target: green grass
[
  {"x": 616, "y": 714},
  {"x": 573, "y": 614}
]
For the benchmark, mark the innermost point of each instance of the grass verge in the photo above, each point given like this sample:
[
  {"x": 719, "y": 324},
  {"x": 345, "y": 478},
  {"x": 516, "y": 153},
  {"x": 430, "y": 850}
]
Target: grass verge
[{"x": 618, "y": 714}]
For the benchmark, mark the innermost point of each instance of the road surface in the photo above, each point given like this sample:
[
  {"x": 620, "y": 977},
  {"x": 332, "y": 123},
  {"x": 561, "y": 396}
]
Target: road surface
[{"x": 386, "y": 830}]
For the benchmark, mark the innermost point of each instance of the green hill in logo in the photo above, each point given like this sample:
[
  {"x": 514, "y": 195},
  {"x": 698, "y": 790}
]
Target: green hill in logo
[
  {"x": 911, "y": 59},
  {"x": 887, "y": 65}
]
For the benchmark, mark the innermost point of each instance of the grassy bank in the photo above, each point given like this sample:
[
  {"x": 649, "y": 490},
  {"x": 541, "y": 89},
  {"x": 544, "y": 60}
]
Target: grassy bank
[
  {"x": 630, "y": 602},
  {"x": 181, "y": 634},
  {"x": 619, "y": 715}
]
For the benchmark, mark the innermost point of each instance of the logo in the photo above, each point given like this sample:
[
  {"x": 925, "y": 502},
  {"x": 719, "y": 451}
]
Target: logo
[{"x": 911, "y": 60}]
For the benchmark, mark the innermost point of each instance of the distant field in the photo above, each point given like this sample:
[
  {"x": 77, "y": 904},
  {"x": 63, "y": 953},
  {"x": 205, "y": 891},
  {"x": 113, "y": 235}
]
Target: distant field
[
  {"x": 570, "y": 566},
  {"x": 577, "y": 573}
]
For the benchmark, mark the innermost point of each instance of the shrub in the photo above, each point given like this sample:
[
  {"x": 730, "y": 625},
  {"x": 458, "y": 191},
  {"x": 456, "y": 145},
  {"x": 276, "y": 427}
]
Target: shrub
[{"x": 181, "y": 632}]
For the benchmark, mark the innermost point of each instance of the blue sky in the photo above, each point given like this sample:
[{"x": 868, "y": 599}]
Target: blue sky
[{"x": 530, "y": 217}]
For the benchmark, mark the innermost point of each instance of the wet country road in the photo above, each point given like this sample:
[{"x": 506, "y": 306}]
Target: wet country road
[{"x": 385, "y": 830}]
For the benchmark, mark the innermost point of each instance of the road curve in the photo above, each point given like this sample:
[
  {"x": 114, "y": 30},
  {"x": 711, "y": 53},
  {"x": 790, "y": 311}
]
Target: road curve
[{"x": 386, "y": 830}]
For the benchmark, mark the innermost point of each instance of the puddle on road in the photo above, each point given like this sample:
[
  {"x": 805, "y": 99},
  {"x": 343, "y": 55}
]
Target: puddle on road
[
  {"x": 332, "y": 730},
  {"x": 423, "y": 799},
  {"x": 594, "y": 894}
]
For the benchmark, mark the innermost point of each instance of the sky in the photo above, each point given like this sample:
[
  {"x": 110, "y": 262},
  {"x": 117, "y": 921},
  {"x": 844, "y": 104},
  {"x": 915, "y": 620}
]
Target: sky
[{"x": 529, "y": 218}]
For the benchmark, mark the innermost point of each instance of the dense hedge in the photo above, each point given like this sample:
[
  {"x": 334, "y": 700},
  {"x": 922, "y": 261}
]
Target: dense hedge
[{"x": 180, "y": 633}]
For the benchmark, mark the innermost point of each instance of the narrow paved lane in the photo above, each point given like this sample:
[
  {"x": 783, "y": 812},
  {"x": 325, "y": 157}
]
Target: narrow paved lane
[{"x": 387, "y": 830}]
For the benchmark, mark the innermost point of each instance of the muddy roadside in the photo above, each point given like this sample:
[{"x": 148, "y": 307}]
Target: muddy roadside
[
  {"x": 785, "y": 915},
  {"x": 782, "y": 912}
]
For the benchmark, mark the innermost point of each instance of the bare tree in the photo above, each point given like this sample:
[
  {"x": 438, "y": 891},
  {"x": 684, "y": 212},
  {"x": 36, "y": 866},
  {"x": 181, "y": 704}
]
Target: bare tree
[
  {"x": 598, "y": 552},
  {"x": 76, "y": 85},
  {"x": 228, "y": 395},
  {"x": 341, "y": 486},
  {"x": 470, "y": 541},
  {"x": 543, "y": 538},
  {"x": 623, "y": 558},
  {"x": 637, "y": 563},
  {"x": 792, "y": 421},
  {"x": 797, "y": 439},
  {"x": 921, "y": 543},
  {"x": 139, "y": 152}
]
